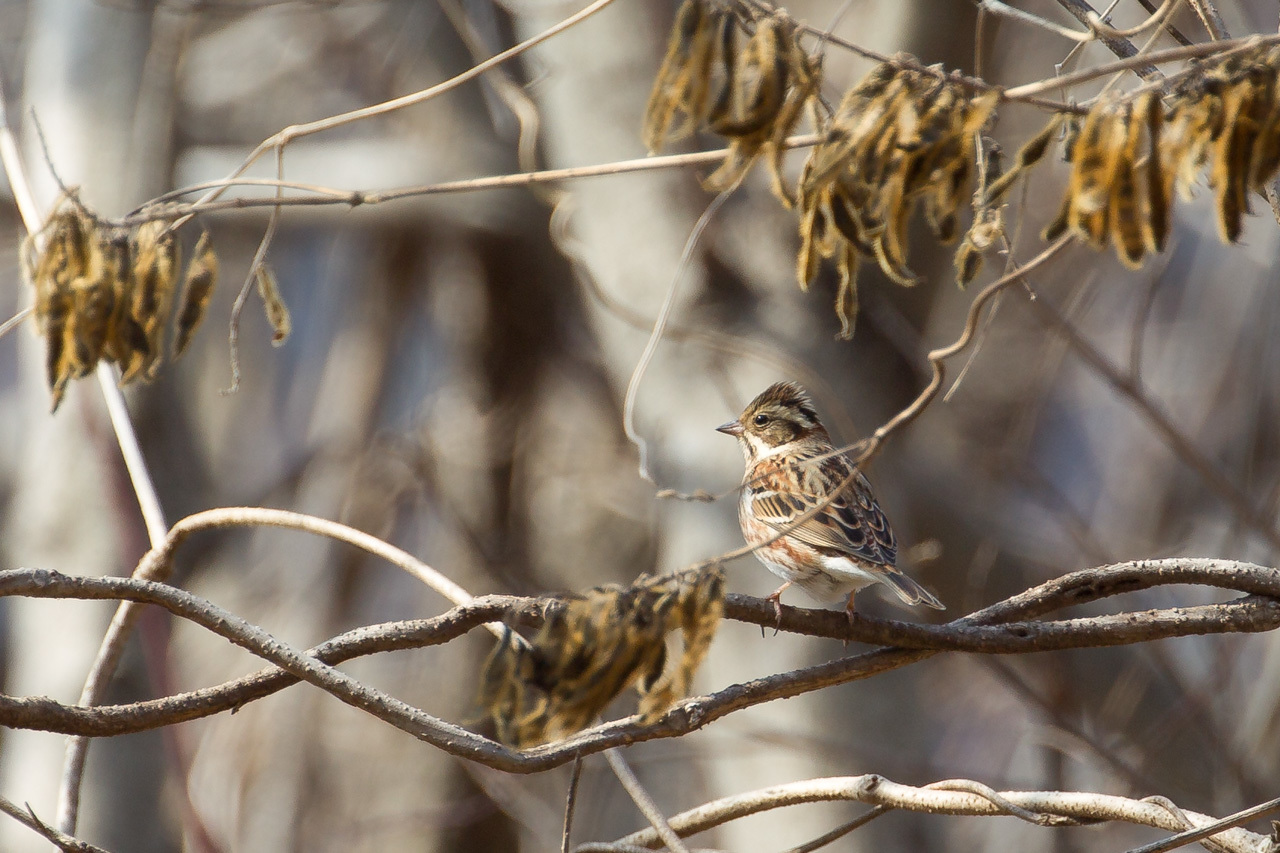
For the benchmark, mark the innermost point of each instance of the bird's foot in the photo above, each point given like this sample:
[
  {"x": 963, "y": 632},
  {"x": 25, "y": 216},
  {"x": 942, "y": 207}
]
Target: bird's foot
[
  {"x": 851, "y": 613},
  {"x": 776, "y": 598}
]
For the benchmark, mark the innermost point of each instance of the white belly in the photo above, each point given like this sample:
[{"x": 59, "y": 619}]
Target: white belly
[{"x": 838, "y": 578}]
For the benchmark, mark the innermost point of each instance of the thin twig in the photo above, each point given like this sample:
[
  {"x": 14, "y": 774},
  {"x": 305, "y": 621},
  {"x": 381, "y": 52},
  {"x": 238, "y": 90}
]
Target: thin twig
[
  {"x": 1212, "y": 21},
  {"x": 1004, "y": 10},
  {"x": 16, "y": 320},
  {"x": 255, "y": 270},
  {"x": 1097, "y": 26},
  {"x": 355, "y": 198},
  {"x": 230, "y": 517},
  {"x": 1169, "y": 28},
  {"x": 1191, "y": 836},
  {"x": 1173, "y": 54},
  {"x": 1120, "y": 46},
  {"x": 655, "y": 337},
  {"x": 938, "y": 357},
  {"x": 570, "y": 803},
  {"x": 297, "y": 131},
  {"x": 840, "y": 831},
  {"x": 64, "y": 842},
  {"x": 512, "y": 94},
  {"x": 644, "y": 802}
]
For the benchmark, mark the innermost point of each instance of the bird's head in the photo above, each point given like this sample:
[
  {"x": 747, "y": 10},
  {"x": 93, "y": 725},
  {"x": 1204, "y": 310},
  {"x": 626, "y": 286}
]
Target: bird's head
[{"x": 782, "y": 414}]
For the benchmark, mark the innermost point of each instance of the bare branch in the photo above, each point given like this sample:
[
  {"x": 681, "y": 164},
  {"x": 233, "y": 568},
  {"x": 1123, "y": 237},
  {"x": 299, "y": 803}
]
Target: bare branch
[
  {"x": 943, "y": 798},
  {"x": 297, "y": 131},
  {"x": 644, "y": 802},
  {"x": 1120, "y": 46},
  {"x": 1191, "y": 836},
  {"x": 228, "y": 517},
  {"x": 112, "y": 647},
  {"x": 64, "y": 842},
  {"x": 980, "y": 631}
]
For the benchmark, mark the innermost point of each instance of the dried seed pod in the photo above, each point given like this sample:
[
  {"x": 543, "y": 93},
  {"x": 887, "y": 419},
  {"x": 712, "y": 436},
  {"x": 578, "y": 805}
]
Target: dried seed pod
[
  {"x": 1097, "y": 153},
  {"x": 807, "y": 72},
  {"x": 848, "y": 201},
  {"x": 1126, "y": 230},
  {"x": 1246, "y": 106},
  {"x": 1028, "y": 156},
  {"x": 202, "y": 275},
  {"x": 810, "y": 232},
  {"x": 1059, "y": 224},
  {"x": 890, "y": 248},
  {"x": 699, "y": 598},
  {"x": 126, "y": 342},
  {"x": 757, "y": 84},
  {"x": 1158, "y": 197},
  {"x": 724, "y": 71},
  {"x": 943, "y": 199},
  {"x": 987, "y": 228},
  {"x": 277, "y": 311},
  {"x": 62, "y": 261},
  {"x": 53, "y": 274},
  {"x": 57, "y": 303},
  {"x": 968, "y": 263},
  {"x": 155, "y": 257},
  {"x": 93, "y": 301},
  {"x": 1200, "y": 123},
  {"x": 593, "y": 646},
  {"x": 899, "y": 138},
  {"x": 1265, "y": 158},
  {"x": 683, "y": 81},
  {"x": 765, "y": 91}
]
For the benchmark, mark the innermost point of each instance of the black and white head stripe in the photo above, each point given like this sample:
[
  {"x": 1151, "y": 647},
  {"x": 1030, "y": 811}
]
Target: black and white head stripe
[{"x": 790, "y": 396}]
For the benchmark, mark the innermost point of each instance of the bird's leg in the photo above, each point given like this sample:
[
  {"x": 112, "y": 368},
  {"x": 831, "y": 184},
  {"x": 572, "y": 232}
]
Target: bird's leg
[
  {"x": 776, "y": 598},
  {"x": 851, "y": 612}
]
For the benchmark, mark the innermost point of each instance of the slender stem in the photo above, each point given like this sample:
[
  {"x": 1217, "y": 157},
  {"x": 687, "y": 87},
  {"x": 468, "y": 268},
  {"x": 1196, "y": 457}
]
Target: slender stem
[
  {"x": 570, "y": 803},
  {"x": 644, "y": 802},
  {"x": 297, "y": 131},
  {"x": 1191, "y": 836},
  {"x": 655, "y": 337},
  {"x": 112, "y": 647}
]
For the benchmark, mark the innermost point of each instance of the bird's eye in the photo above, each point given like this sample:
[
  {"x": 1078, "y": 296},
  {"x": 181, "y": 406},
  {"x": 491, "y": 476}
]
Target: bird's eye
[{"x": 760, "y": 420}]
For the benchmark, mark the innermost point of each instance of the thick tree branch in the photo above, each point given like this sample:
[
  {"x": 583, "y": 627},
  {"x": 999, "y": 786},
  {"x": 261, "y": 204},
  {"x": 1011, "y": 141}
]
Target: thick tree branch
[{"x": 993, "y": 630}]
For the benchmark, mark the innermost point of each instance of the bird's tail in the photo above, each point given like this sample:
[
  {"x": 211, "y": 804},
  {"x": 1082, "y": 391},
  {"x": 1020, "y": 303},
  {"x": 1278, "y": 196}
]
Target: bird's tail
[{"x": 907, "y": 589}]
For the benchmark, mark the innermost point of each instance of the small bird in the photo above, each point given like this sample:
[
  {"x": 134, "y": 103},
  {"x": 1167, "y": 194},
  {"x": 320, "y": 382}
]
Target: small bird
[{"x": 808, "y": 509}]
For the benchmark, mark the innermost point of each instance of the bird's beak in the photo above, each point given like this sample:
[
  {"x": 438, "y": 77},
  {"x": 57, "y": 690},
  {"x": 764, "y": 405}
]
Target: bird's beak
[{"x": 732, "y": 428}]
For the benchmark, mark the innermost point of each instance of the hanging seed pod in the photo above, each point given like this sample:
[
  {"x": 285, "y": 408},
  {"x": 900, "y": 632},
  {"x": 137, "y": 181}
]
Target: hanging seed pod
[
  {"x": 277, "y": 311},
  {"x": 1158, "y": 198},
  {"x": 197, "y": 289},
  {"x": 155, "y": 256},
  {"x": 684, "y": 80},
  {"x": 592, "y": 647},
  {"x": 1126, "y": 230},
  {"x": 901, "y": 138},
  {"x": 93, "y": 300},
  {"x": 126, "y": 342}
]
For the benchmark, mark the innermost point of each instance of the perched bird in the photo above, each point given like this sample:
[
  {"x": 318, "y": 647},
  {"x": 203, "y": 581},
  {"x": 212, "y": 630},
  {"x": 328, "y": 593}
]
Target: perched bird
[{"x": 808, "y": 509}]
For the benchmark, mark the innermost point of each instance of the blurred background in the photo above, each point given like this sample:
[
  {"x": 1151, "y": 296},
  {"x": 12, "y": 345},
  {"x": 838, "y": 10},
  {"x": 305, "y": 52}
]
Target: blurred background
[{"x": 454, "y": 383}]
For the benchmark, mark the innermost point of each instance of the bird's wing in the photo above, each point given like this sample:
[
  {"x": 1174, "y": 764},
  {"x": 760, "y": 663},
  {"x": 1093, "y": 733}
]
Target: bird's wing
[{"x": 851, "y": 524}]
